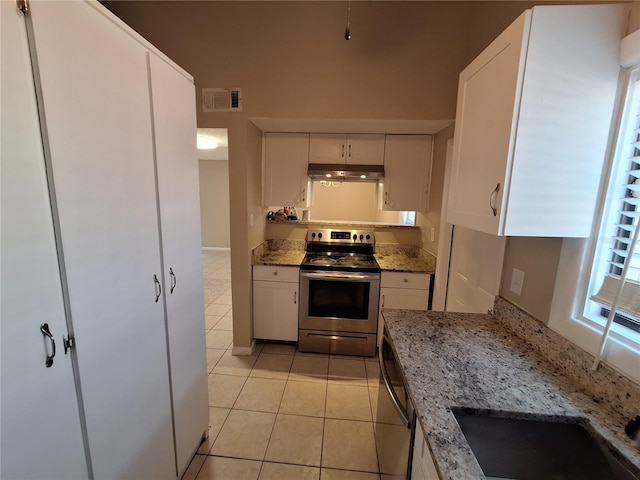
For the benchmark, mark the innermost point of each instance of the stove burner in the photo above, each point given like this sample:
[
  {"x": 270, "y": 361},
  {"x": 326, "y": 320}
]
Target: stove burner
[{"x": 342, "y": 250}]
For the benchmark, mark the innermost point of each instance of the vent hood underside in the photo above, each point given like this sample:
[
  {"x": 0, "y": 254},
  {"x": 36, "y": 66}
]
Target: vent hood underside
[{"x": 345, "y": 172}]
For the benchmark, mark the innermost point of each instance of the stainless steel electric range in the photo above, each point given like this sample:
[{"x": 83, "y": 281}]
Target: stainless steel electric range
[{"x": 339, "y": 292}]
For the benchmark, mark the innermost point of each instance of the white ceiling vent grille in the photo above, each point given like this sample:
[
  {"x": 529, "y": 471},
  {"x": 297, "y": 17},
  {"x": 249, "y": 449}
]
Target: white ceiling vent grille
[{"x": 221, "y": 99}]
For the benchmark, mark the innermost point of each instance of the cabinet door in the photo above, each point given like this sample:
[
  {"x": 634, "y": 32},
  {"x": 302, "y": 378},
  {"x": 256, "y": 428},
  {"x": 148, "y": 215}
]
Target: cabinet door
[
  {"x": 174, "y": 124},
  {"x": 96, "y": 94},
  {"x": 423, "y": 467},
  {"x": 483, "y": 138},
  {"x": 327, "y": 148},
  {"x": 407, "y": 165},
  {"x": 286, "y": 163},
  {"x": 365, "y": 149},
  {"x": 275, "y": 310},
  {"x": 40, "y": 428}
]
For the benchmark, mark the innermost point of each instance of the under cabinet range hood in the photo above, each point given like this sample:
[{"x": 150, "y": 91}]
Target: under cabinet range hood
[{"x": 345, "y": 172}]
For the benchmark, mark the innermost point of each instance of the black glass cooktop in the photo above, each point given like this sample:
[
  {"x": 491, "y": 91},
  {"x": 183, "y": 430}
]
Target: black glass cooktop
[{"x": 358, "y": 262}]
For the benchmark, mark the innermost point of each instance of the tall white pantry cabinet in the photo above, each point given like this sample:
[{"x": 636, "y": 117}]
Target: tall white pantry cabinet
[{"x": 100, "y": 244}]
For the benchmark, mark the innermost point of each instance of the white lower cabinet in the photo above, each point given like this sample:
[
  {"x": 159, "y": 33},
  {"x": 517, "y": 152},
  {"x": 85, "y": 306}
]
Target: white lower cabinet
[
  {"x": 403, "y": 290},
  {"x": 275, "y": 302},
  {"x": 422, "y": 467}
]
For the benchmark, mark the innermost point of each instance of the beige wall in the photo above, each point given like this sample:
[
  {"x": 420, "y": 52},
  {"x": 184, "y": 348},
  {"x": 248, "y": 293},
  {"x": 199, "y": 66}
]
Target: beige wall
[
  {"x": 291, "y": 60},
  {"x": 538, "y": 258},
  {"x": 634, "y": 19},
  {"x": 214, "y": 203}
]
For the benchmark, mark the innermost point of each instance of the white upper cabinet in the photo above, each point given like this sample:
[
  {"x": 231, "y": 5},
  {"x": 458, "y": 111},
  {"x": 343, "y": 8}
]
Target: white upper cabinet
[
  {"x": 355, "y": 149},
  {"x": 532, "y": 123},
  {"x": 407, "y": 166},
  {"x": 286, "y": 158}
]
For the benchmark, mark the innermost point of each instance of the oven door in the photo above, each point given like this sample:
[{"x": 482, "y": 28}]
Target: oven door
[{"x": 339, "y": 301}]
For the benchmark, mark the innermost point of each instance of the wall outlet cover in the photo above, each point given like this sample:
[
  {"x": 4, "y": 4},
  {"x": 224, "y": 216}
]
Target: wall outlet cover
[{"x": 517, "y": 281}]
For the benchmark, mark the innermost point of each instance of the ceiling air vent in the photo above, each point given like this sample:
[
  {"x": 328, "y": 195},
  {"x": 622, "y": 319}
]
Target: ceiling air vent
[{"x": 221, "y": 99}]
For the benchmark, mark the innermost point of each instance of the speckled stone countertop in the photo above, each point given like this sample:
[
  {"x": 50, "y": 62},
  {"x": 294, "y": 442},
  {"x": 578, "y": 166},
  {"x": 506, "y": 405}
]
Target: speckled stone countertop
[
  {"x": 475, "y": 361},
  {"x": 400, "y": 262},
  {"x": 288, "y": 253},
  {"x": 390, "y": 257},
  {"x": 395, "y": 257}
]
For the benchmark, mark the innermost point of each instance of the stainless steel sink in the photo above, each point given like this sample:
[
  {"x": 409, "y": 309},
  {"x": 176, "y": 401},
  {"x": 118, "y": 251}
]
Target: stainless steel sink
[{"x": 541, "y": 448}]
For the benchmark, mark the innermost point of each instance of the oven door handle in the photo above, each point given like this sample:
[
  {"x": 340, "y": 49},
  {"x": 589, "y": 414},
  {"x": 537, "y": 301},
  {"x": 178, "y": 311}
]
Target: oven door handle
[
  {"x": 340, "y": 275},
  {"x": 404, "y": 416}
]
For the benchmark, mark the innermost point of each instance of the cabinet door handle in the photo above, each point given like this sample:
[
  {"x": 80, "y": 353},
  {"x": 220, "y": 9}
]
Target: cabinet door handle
[
  {"x": 492, "y": 199},
  {"x": 174, "y": 280},
  {"x": 386, "y": 194},
  {"x": 295, "y": 298},
  {"x": 158, "y": 287},
  {"x": 304, "y": 190},
  {"x": 349, "y": 150},
  {"x": 342, "y": 151},
  {"x": 382, "y": 305},
  {"x": 44, "y": 329}
]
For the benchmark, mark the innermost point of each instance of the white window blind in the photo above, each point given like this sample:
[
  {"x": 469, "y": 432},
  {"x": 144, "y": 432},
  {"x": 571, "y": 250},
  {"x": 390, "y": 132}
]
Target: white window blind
[{"x": 620, "y": 219}]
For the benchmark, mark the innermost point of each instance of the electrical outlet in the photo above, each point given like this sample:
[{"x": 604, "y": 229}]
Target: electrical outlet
[
  {"x": 517, "y": 280},
  {"x": 251, "y": 219},
  {"x": 433, "y": 234}
]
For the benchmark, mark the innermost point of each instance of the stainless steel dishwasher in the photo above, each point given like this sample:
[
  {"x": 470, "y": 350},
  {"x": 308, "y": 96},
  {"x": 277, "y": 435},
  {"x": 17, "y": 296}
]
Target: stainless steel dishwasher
[{"x": 395, "y": 420}]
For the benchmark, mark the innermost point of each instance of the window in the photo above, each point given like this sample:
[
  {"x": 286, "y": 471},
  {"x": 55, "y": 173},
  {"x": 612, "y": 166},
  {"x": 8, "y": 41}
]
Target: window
[{"x": 620, "y": 215}]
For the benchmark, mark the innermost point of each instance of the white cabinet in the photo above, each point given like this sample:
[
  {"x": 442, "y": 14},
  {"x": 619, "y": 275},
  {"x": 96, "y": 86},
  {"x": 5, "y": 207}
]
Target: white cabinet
[
  {"x": 275, "y": 302},
  {"x": 422, "y": 467},
  {"x": 118, "y": 124},
  {"x": 407, "y": 166},
  {"x": 174, "y": 124},
  {"x": 356, "y": 149},
  {"x": 403, "y": 290},
  {"x": 40, "y": 429},
  {"x": 102, "y": 163},
  {"x": 285, "y": 178},
  {"x": 532, "y": 123}
]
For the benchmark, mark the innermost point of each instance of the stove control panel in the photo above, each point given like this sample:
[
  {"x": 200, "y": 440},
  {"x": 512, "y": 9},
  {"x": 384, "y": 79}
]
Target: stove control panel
[{"x": 340, "y": 236}]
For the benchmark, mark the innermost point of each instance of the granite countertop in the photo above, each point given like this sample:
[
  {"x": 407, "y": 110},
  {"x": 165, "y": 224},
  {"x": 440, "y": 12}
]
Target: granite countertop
[
  {"x": 288, "y": 258},
  {"x": 401, "y": 262},
  {"x": 390, "y": 257},
  {"x": 474, "y": 361}
]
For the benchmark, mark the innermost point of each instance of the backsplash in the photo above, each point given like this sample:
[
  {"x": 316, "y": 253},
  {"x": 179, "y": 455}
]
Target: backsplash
[{"x": 605, "y": 385}]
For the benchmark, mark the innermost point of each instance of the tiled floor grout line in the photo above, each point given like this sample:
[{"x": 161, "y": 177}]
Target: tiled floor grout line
[{"x": 351, "y": 380}]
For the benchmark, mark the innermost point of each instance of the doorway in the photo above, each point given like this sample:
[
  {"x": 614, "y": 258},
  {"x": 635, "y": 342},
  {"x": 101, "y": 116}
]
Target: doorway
[{"x": 213, "y": 163}]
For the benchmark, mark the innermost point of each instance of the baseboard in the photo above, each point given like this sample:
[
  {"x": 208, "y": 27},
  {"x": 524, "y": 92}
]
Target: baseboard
[
  {"x": 218, "y": 249},
  {"x": 244, "y": 350}
]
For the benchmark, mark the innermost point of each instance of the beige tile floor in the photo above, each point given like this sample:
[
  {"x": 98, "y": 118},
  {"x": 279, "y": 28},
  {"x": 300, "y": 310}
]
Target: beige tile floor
[{"x": 281, "y": 414}]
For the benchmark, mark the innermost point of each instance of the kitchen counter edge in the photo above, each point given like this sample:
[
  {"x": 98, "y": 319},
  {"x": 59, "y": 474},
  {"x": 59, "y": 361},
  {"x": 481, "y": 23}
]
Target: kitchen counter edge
[{"x": 457, "y": 360}]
